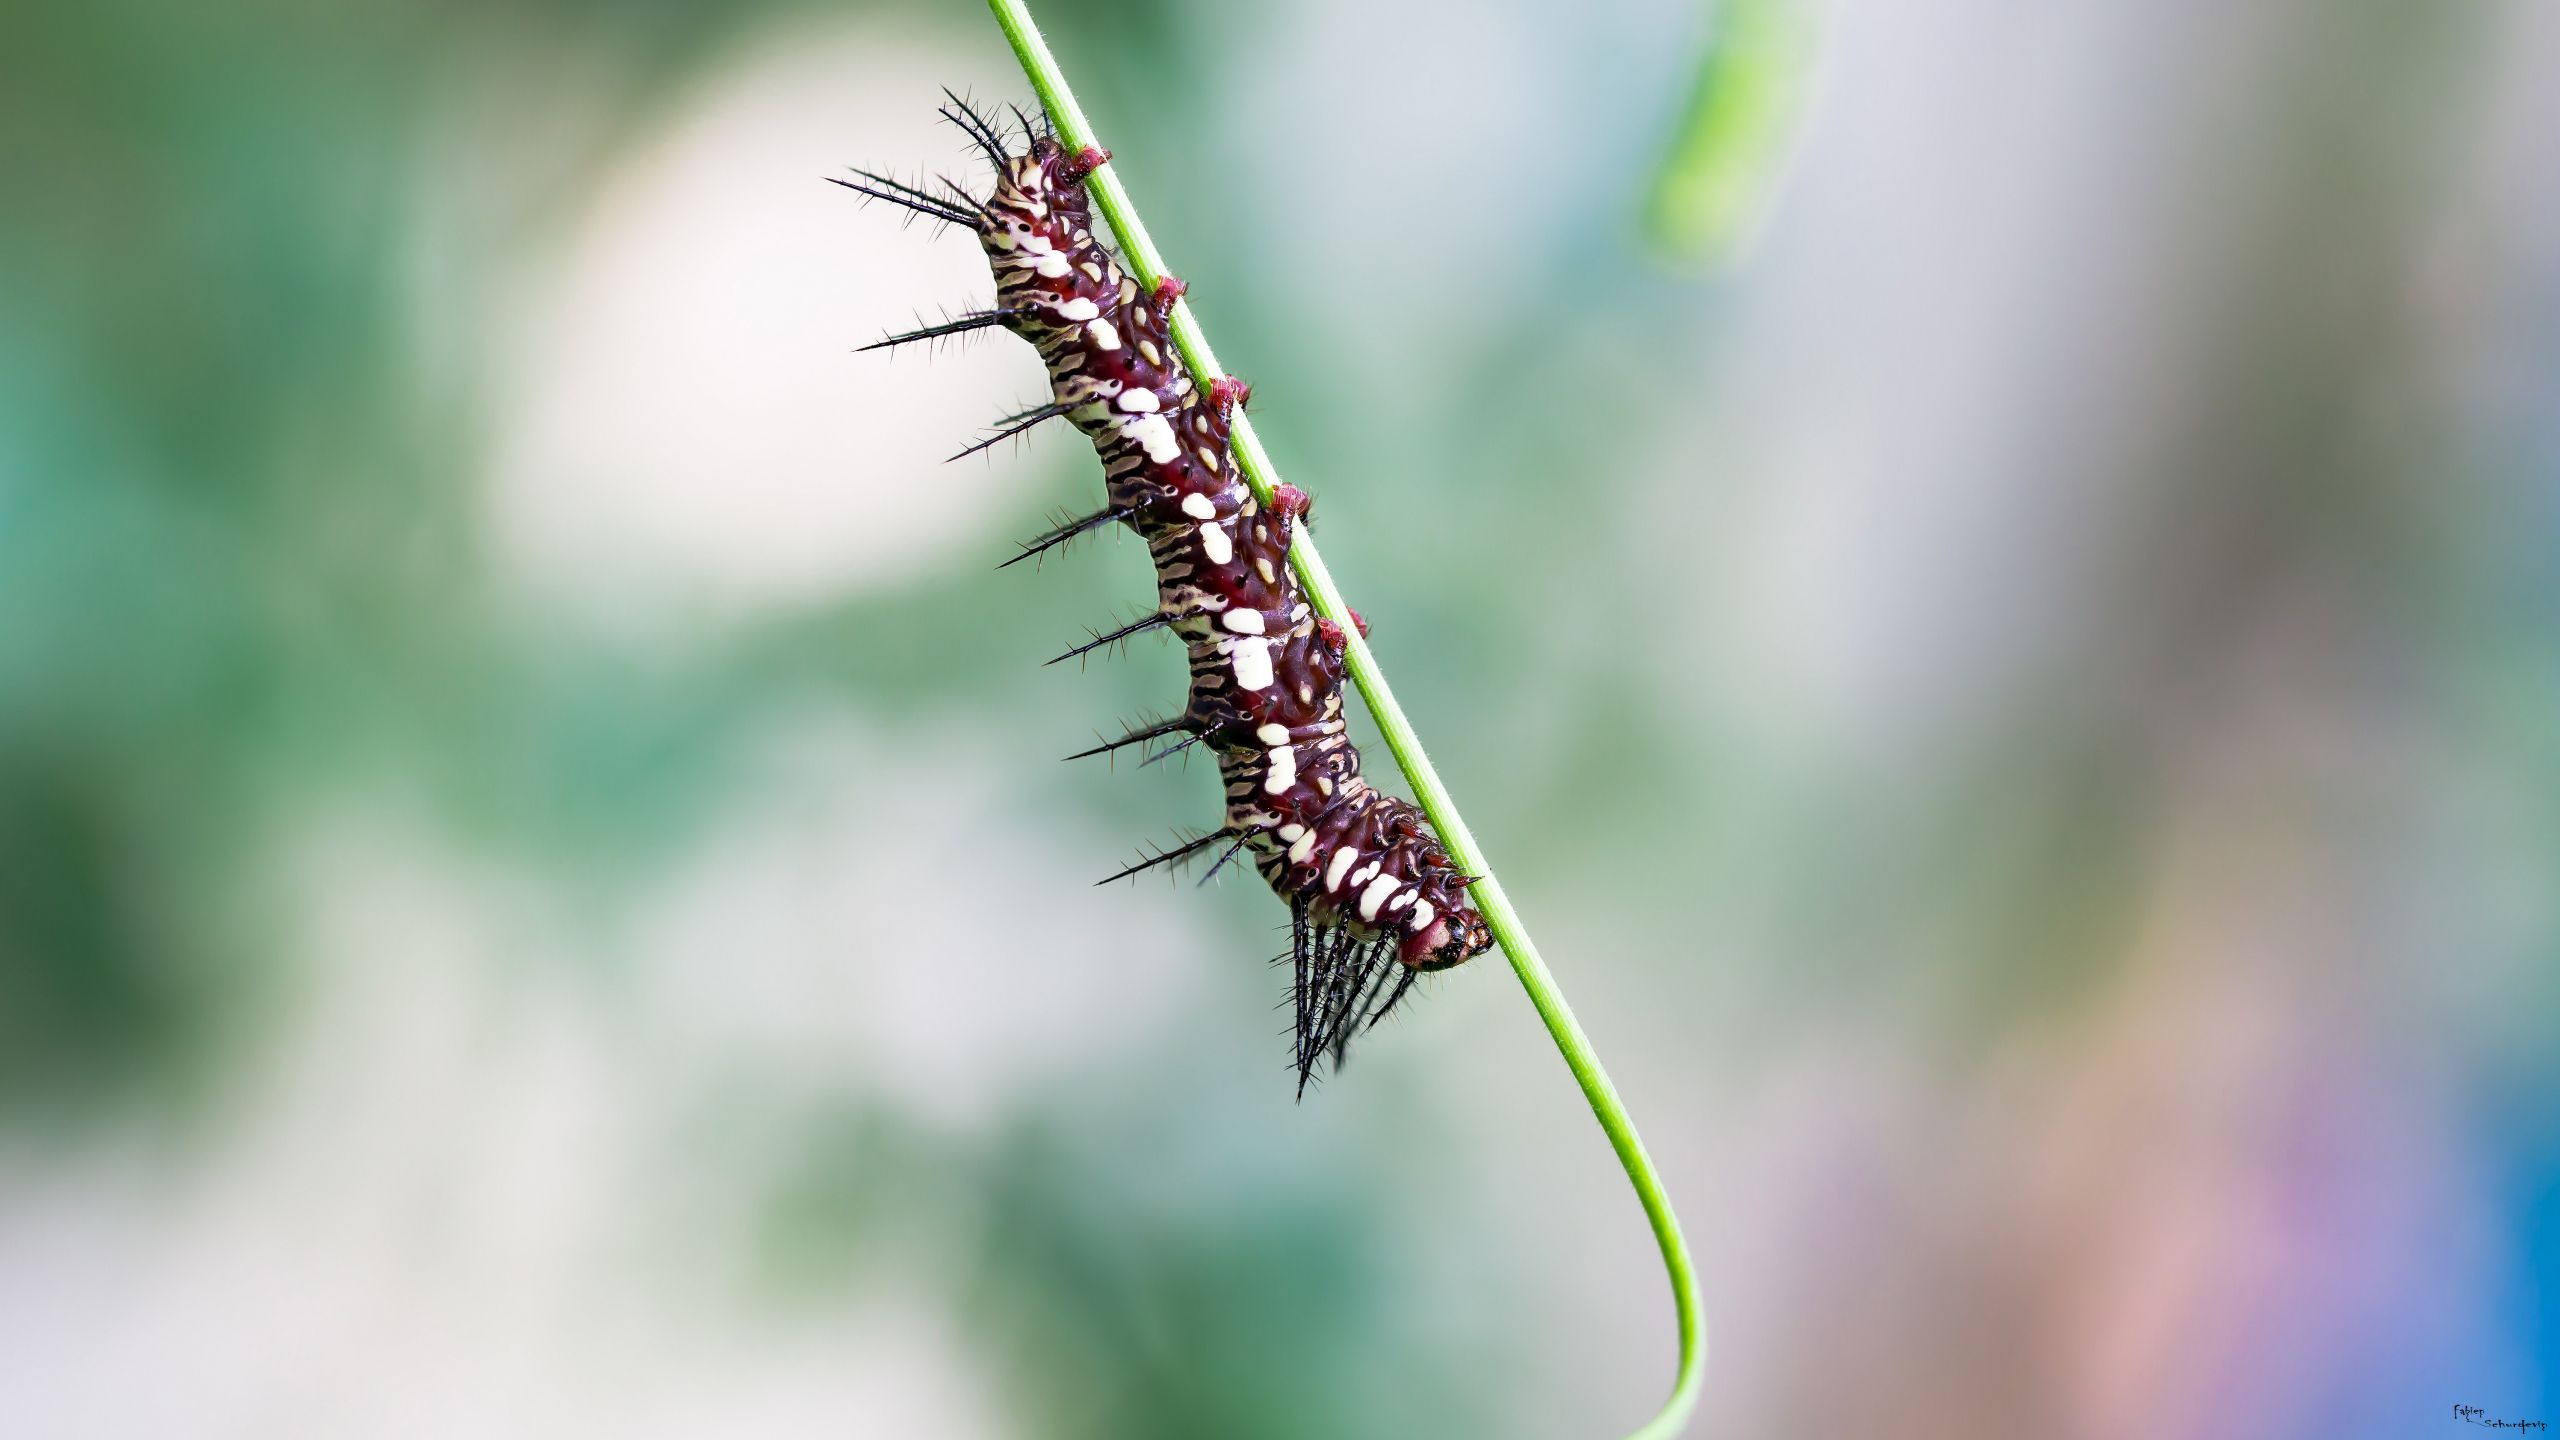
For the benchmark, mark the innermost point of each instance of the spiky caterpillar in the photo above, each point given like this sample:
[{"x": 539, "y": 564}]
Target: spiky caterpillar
[{"x": 1373, "y": 898}]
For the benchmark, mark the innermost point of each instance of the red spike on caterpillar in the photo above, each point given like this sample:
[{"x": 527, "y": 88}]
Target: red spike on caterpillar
[
  {"x": 1226, "y": 393},
  {"x": 1373, "y": 898}
]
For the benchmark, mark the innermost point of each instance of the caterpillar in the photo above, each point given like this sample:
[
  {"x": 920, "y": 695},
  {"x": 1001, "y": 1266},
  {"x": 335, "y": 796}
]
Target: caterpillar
[{"x": 1374, "y": 899}]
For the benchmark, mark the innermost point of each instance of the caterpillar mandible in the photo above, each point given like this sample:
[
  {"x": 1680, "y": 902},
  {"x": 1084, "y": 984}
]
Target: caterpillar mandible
[{"x": 1374, "y": 900}]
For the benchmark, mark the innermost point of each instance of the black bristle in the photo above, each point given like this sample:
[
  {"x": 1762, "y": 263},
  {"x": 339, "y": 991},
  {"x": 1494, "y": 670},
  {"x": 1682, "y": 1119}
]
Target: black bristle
[
  {"x": 982, "y": 134},
  {"x": 1019, "y": 421},
  {"x": 961, "y": 325},
  {"x": 1139, "y": 736},
  {"x": 1229, "y": 854},
  {"x": 881, "y": 188},
  {"x": 1102, "y": 638},
  {"x": 1174, "y": 856},
  {"x": 1065, "y": 531}
]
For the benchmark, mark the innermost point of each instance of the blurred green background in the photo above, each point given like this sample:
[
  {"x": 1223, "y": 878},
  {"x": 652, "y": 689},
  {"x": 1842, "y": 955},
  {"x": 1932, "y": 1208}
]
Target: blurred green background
[{"x": 2017, "y": 685}]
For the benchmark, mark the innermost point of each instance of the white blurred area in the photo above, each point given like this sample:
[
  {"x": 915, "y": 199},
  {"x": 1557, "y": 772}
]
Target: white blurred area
[
  {"x": 483, "y": 1187},
  {"x": 685, "y": 435}
]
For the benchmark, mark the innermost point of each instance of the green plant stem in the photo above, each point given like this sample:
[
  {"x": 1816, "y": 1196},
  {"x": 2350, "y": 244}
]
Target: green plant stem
[
  {"x": 1113, "y": 200},
  {"x": 1745, "y": 107}
]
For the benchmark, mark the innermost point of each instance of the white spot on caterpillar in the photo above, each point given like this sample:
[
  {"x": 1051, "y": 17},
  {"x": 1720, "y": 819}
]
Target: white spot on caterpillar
[
  {"x": 1340, "y": 867},
  {"x": 1243, "y": 621},
  {"x": 1054, "y": 265},
  {"x": 1148, "y": 348},
  {"x": 1138, "y": 402},
  {"x": 1035, "y": 242},
  {"x": 1376, "y": 895},
  {"x": 1401, "y": 900},
  {"x": 1301, "y": 848},
  {"x": 1078, "y": 309},
  {"x": 1291, "y": 831},
  {"x": 1106, "y": 336},
  {"x": 1208, "y": 457},
  {"x": 1325, "y": 783},
  {"x": 1361, "y": 877},
  {"x": 1199, "y": 507},
  {"x": 1252, "y": 662},
  {"x": 1153, "y": 436},
  {"x": 1274, "y": 735},
  {"x": 1420, "y": 919},
  {"x": 1262, "y": 563},
  {"x": 1213, "y": 540},
  {"x": 1284, "y": 771}
]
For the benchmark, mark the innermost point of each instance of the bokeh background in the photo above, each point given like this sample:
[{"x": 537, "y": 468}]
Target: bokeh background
[{"x": 2008, "y": 655}]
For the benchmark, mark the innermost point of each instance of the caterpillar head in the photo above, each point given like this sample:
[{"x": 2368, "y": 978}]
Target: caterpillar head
[
  {"x": 1070, "y": 167},
  {"x": 1073, "y": 168},
  {"x": 1453, "y": 937}
]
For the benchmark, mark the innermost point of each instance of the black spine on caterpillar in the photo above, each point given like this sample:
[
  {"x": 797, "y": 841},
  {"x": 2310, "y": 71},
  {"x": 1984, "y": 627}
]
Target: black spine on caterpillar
[{"x": 1373, "y": 898}]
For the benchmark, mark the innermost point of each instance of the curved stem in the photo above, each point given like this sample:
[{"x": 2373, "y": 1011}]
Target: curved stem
[{"x": 1140, "y": 252}]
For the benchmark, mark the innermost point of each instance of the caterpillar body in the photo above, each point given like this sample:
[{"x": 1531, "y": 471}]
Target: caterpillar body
[{"x": 1374, "y": 900}]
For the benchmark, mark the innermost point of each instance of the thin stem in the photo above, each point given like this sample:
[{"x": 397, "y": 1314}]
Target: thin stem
[{"x": 1074, "y": 132}]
